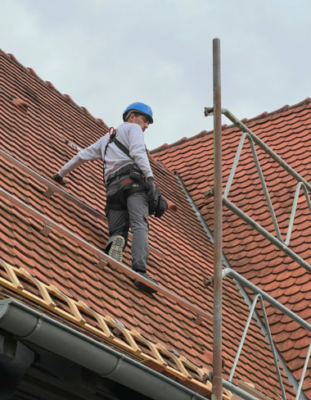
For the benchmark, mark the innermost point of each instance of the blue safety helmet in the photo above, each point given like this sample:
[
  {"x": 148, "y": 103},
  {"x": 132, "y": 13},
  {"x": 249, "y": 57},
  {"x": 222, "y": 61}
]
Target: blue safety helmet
[{"x": 140, "y": 108}]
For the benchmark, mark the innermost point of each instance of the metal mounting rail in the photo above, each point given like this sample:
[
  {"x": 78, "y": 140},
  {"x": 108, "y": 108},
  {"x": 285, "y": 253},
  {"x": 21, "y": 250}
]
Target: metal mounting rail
[
  {"x": 53, "y": 188},
  {"x": 49, "y": 226},
  {"x": 261, "y": 295}
]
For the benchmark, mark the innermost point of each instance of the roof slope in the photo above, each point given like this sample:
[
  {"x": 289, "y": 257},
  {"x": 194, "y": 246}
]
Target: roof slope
[
  {"x": 36, "y": 138},
  {"x": 287, "y": 132}
]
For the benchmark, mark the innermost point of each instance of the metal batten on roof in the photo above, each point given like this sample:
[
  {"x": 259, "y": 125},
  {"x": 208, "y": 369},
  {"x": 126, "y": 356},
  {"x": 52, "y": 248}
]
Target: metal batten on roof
[
  {"x": 121, "y": 267},
  {"x": 53, "y": 188}
]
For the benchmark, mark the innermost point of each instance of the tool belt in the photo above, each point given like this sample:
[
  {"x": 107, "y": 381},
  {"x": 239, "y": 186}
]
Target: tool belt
[
  {"x": 122, "y": 171},
  {"x": 119, "y": 191}
]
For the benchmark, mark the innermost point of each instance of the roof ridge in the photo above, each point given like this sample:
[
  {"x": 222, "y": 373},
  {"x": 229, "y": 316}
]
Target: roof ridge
[
  {"x": 65, "y": 97},
  {"x": 263, "y": 115}
]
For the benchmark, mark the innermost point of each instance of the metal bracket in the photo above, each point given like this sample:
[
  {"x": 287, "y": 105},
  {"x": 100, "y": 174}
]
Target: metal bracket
[
  {"x": 101, "y": 263},
  {"x": 175, "y": 352},
  {"x": 48, "y": 193},
  {"x": 72, "y": 145},
  {"x": 46, "y": 230},
  {"x": 209, "y": 192},
  {"x": 198, "y": 319},
  {"x": 208, "y": 111},
  {"x": 116, "y": 331},
  {"x": 208, "y": 282}
]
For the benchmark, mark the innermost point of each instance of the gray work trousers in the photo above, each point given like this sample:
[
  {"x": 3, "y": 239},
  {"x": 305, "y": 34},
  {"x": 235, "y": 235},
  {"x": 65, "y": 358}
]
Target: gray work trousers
[{"x": 136, "y": 217}]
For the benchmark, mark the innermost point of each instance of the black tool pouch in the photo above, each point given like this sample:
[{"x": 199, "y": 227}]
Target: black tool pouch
[
  {"x": 158, "y": 205},
  {"x": 135, "y": 173}
]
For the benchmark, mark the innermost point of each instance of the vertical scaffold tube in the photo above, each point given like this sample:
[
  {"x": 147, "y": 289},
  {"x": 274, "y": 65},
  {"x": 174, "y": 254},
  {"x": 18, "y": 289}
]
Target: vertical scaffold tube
[{"x": 217, "y": 324}]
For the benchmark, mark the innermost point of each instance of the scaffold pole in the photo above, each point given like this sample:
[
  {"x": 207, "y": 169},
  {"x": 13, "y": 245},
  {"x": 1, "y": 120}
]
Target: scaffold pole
[{"x": 217, "y": 323}]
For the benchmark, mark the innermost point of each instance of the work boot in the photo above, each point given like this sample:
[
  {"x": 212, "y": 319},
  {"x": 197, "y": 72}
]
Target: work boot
[
  {"x": 142, "y": 286},
  {"x": 116, "y": 248}
]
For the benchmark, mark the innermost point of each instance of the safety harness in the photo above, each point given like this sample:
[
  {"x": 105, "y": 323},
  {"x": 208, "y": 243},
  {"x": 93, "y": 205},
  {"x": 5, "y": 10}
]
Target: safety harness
[{"x": 133, "y": 182}]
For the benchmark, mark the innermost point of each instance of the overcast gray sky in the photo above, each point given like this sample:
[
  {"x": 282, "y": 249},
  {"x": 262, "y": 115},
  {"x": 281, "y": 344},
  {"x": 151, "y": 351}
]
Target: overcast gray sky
[{"x": 107, "y": 54}]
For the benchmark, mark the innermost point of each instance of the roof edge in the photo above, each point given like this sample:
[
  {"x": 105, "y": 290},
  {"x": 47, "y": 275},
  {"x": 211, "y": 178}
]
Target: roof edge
[{"x": 38, "y": 329}]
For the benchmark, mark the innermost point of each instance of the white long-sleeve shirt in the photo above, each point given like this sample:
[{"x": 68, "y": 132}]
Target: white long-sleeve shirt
[{"x": 131, "y": 136}]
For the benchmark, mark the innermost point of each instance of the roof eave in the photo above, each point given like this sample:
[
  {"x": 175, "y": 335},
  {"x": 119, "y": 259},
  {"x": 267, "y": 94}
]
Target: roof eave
[{"x": 38, "y": 329}]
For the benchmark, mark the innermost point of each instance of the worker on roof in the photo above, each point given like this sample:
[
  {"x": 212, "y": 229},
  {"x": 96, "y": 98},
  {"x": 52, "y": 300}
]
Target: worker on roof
[{"x": 130, "y": 185}]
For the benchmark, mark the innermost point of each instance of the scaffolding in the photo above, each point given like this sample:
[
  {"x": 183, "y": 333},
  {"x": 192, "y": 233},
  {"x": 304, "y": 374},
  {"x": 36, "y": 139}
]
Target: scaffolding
[{"x": 221, "y": 199}]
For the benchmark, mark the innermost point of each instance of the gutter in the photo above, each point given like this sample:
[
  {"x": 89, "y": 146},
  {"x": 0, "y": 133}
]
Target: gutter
[{"x": 38, "y": 329}]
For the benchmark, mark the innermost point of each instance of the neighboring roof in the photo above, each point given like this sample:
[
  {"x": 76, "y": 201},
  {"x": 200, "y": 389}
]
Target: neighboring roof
[
  {"x": 37, "y": 138},
  {"x": 286, "y": 131}
]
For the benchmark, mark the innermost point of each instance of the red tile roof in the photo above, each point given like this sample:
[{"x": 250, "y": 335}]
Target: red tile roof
[
  {"x": 38, "y": 139},
  {"x": 286, "y": 131}
]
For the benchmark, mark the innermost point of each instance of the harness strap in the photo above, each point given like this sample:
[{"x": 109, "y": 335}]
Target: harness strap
[
  {"x": 124, "y": 149},
  {"x": 121, "y": 146},
  {"x": 113, "y": 139},
  {"x": 116, "y": 207}
]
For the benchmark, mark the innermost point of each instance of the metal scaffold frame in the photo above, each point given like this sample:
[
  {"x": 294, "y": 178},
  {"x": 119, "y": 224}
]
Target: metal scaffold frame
[
  {"x": 263, "y": 296},
  {"x": 302, "y": 183},
  {"x": 277, "y": 240}
]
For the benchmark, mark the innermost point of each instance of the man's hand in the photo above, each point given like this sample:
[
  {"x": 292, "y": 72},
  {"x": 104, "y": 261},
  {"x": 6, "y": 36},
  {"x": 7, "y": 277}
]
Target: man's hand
[
  {"x": 59, "y": 179},
  {"x": 151, "y": 188}
]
